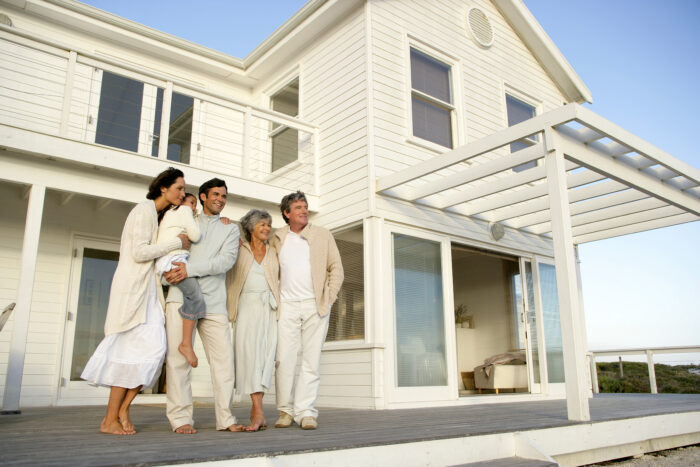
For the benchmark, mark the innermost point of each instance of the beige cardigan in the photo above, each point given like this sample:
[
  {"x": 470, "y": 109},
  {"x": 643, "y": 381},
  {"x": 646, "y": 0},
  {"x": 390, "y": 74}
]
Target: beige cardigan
[
  {"x": 326, "y": 266},
  {"x": 128, "y": 296},
  {"x": 236, "y": 277}
]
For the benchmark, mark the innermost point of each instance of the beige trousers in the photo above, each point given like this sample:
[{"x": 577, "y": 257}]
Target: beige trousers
[
  {"x": 215, "y": 332},
  {"x": 300, "y": 327}
]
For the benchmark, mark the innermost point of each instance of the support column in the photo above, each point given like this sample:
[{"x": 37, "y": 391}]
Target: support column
[
  {"x": 374, "y": 311},
  {"x": 30, "y": 247},
  {"x": 567, "y": 287}
]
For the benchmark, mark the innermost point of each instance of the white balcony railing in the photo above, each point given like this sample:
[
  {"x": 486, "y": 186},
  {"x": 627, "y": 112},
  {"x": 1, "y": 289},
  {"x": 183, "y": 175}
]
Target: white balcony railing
[
  {"x": 54, "y": 89},
  {"x": 649, "y": 352}
]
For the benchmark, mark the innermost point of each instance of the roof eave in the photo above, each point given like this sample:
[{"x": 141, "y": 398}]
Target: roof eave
[{"x": 544, "y": 49}]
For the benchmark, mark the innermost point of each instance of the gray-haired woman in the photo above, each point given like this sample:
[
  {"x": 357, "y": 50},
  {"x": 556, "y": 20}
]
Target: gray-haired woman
[{"x": 252, "y": 294}]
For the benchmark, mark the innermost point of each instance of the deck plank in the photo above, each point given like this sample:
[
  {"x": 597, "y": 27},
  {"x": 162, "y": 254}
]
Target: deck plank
[{"x": 68, "y": 435}]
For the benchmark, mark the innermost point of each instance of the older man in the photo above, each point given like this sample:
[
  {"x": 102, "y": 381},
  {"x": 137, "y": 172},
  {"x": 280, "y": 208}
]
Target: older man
[
  {"x": 311, "y": 274},
  {"x": 209, "y": 260}
]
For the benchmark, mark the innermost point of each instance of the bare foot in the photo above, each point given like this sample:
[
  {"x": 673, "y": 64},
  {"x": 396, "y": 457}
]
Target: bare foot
[
  {"x": 189, "y": 354},
  {"x": 236, "y": 428},
  {"x": 185, "y": 430},
  {"x": 112, "y": 428},
  {"x": 126, "y": 423},
  {"x": 257, "y": 423}
]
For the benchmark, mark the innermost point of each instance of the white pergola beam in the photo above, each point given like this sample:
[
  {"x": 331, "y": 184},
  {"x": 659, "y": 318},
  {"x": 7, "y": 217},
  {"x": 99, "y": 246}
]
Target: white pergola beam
[
  {"x": 476, "y": 172},
  {"x": 633, "y": 178},
  {"x": 20, "y": 329},
  {"x": 486, "y": 144},
  {"x": 616, "y": 133},
  {"x": 628, "y": 219},
  {"x": 613, "y": 212},
  {"x": 635, "y": 228},
  {"x": 495, "y": 186},
  {"x": 532, "y": 199},
  {"x": 594, "y": 204},
  {"x": 573, "y": 344}
]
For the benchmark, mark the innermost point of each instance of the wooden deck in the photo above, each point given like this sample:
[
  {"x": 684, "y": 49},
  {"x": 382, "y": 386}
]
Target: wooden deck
[{"x": 68, "y": 435}]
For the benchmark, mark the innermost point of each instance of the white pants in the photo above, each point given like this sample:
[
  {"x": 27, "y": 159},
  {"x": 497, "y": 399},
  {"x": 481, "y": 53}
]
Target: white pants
[
  {"x": 299, "y": 327},
  {"x": 215, "y": 333}
]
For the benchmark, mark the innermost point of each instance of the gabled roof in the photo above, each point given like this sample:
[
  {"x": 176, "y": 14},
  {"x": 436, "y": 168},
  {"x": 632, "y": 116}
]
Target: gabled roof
[
  {"x": 544, "y": 50},
  {"x": 291, "y": 37}
]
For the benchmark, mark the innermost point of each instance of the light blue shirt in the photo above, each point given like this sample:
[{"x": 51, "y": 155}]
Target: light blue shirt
[{"x": 210, "y": 258}]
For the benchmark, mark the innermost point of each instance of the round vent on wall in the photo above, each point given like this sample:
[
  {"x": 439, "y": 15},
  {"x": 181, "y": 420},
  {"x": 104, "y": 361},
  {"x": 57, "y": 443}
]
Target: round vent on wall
[{"x": 480, "y": 27}]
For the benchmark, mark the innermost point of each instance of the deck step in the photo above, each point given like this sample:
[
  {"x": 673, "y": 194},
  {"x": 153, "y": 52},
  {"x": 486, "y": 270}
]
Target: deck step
[{"x": 510, "y": 462}]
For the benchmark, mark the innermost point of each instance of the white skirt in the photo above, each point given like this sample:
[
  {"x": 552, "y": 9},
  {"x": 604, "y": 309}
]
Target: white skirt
[{"x": 131, "y": 358}]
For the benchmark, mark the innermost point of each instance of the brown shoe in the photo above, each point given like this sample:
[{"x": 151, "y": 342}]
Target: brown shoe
[
  {"x": 285, "y": 420},
  {"x": 308, "y": 423}
]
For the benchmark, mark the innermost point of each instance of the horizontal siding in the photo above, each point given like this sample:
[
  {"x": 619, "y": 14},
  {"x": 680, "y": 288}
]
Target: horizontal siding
[
  {"x": 333, "y": 97},
  {"x": 32, "y": 85},
  {"x": 346, "y": 379}
]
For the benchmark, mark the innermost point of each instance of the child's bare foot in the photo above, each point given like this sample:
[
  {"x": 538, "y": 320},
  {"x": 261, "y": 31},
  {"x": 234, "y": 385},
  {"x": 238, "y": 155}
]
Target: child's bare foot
[
  {"x": 113, "y": 428},
  {"x": 189, "y": 354},
  {"x": 126, "y": 423}
]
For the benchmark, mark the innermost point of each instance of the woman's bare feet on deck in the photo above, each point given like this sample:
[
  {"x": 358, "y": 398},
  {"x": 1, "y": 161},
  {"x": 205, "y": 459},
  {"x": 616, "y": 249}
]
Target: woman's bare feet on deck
[
  {"x": 185, "y": 430},
  {"x": 236, "y": 428},
  {"x": 257, "y": 423},
  {"x": 113, "y": 428},
  {"x": 189, "y": 354},
  {"x": 126, "y": 423}
]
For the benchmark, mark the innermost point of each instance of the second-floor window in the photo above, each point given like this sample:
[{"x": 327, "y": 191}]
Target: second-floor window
[
  {"x": 519, "y": 111},
  {"x": 129, "y": 117},
  {"x": 285, "y": 140},
  {"x": 431, "y": 99},
  {"x": 179, "y": 129},
  {"x": 119, "y": 115}
]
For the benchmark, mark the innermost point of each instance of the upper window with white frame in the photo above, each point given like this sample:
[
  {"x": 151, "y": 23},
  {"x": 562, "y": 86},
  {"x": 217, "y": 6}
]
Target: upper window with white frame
[
  {"x": 129, "y": 115},
  {"x": 285, "y": 140},
  {"x": 431, "y": 99},
  {"x": 518, "y": 111}
]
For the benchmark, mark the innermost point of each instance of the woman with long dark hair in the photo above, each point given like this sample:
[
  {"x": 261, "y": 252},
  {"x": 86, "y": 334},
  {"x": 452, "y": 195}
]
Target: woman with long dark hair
[{"x": 131, "y": 355}]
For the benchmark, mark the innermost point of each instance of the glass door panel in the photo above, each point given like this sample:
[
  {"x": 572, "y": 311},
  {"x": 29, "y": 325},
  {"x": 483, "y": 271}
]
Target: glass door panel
[
  {"x": 96, "y": 275},
  {"x": 531, "y": 324},
  {"x": 420, "y": 319},
  {"x": 552, "y": 323},
  {"x": 92, "y": 270}
]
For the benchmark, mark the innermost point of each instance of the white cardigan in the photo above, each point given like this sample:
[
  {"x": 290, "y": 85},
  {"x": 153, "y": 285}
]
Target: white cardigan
[
  {"x": 128, "y": 296},
  {"x": 176, "y": 222}
]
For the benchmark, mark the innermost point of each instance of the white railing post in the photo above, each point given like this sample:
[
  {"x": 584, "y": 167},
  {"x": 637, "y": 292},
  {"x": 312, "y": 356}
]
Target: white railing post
[
  {"x": 652, "y": 372},
  {"x": 594, "y": 374},
  {"x": 245, "y": 162}
]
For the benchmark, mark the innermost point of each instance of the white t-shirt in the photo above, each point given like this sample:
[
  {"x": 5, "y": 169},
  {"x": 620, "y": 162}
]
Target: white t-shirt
[{"x": 295, "y": 268}]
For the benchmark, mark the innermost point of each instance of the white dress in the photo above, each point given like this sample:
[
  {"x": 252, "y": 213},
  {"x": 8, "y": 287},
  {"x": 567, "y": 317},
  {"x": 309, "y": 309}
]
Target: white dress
[
  {"x": 256, "y": 333},
  {"x": 131, "y": 358}
]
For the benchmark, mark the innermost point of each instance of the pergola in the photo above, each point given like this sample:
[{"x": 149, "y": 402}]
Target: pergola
[{"x": 581, "y": 179}]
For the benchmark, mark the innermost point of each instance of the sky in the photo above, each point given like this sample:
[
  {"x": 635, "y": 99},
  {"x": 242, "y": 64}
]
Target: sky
[{"x": 641, "y": 61}]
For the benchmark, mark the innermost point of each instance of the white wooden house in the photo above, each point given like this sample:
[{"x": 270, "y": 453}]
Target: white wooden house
[{"x": 441, "y": 141}]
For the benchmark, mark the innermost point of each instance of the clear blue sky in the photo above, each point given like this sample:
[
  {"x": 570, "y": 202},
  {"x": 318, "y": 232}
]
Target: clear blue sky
[{"x": 641, "y": 62}]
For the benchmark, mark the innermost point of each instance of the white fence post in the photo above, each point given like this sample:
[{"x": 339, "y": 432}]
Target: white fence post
[
  {"x": 652, "y": 373},
  {"x": 594, "y": 374}
]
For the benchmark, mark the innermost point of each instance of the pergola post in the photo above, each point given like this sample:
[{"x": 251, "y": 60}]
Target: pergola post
[
  {"x": 30, "y": 247},
  {"x": 573, "y": 340}
]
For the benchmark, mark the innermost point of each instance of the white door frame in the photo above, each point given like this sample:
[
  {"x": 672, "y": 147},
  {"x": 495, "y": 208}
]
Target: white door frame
[
  {"x": 78, "y": 392},
  {"x": 417, "y": 396},
  {"x": 548, "y": 388}
]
